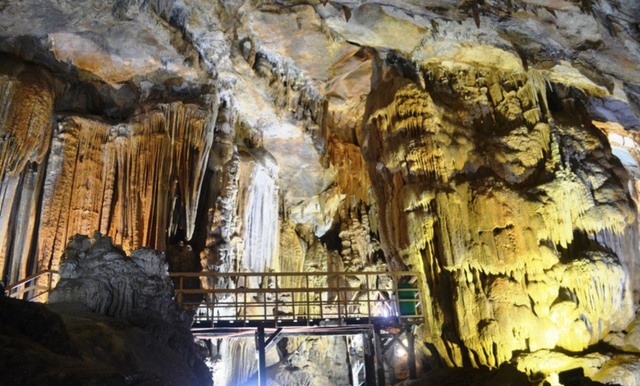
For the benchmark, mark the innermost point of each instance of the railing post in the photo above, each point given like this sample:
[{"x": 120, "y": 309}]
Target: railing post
[
  {"x": 321, "y": 307},
  {"x": 181, "y": 281},
  {"x": 368, "y": 296},
  {"x": 276, "y": 309},
  {"x": 307, "y": 294},
  {"x": 293, "y": 304},
  {"x": 244, "y": 300},
  {"x": 264, "y": 296},
  {"x": 377, "y": 343},
  {"x": 396, "y": 284},
  {"x": 235, "y": 298},
  {"x": 337, "y": 281},
  {"x": 211, "y": 304},
  {"x": 369, "y": 359}
]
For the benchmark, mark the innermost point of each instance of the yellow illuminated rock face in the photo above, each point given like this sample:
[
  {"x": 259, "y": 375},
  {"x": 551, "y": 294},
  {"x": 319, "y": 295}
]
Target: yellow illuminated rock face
[
  {"x": 504, "y": 205},
  {"x": 490, "y": 147}
]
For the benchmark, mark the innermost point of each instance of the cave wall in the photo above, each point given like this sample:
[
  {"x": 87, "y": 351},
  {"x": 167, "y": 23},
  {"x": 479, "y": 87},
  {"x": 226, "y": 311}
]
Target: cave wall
[
  {"x": 489, "y": 145},
  {"x": 136, "y": 181},
  {"x": 498, "y": 193}
]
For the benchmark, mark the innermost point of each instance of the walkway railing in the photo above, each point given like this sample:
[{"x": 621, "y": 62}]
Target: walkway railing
[
  {"x": 242, "y": 298},
  {"x": 34, "y": 287},
  {"x": 247, "y": 297}
]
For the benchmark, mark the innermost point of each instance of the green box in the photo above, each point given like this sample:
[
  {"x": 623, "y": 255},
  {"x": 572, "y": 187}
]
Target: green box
[{"x": 407, "y": 308}]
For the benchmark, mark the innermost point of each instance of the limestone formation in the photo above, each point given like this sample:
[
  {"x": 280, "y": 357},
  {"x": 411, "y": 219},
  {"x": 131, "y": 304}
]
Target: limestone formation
[
  {"x": 26, "y": 107},
  {"x": 103, "y": 278},
  {"x": 491, "y": 146},
  {"x": 130, "y": 181}
]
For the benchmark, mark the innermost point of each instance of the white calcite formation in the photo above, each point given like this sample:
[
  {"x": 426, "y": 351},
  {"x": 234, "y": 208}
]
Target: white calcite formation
[{"x": 490, "y": 146}]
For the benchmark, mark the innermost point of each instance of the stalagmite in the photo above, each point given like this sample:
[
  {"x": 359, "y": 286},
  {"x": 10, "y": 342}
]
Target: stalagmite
[{"x": 489, "y": 237}]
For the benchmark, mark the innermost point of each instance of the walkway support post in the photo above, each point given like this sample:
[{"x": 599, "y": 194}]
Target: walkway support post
[
  {"x": 262, "y": 356},
  {"x": 382, "y": 381},
  {"x": 413, "y": 373},
  {"x": 369, "y": 359}
]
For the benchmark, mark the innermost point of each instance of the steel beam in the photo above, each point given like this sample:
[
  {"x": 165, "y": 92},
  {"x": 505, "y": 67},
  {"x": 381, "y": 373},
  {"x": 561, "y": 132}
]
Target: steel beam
[
  {"x": 262, "y": 356},
  {"x": 369, "y": 359},
  {"x": 379, "y": 356},
  {"x": 413, "y": 373}
]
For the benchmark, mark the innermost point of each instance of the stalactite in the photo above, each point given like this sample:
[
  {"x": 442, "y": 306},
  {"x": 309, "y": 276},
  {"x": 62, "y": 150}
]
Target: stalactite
[
  {"x": 291, "y": 254},
  {"x": 25, "y": 122},
  {"x": 191, "y": 139},
  {"x": 293, "y": 93},
  {"x": 261, "y": 216},
  {"x": 243, "y": 232},
  {"x": 351, "y": 175},
  {"x": 25, "y": 222},
  {"x": 222, "y": 247},
  {"x": 238, "y": 362},
  {"x": 71, "y": 166},
  {"x": 358, "y": 247},
  {"x": 121, "y": 179},
  {"x": 494, "y": 241},
  {"x": 26, "y": 106},
  {"x": 601, "y": 287},
  {"x": 434, "y": 149}
]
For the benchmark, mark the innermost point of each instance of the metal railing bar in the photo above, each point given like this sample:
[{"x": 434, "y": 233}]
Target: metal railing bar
[
  {"x": 32, "y": 277},
  {"x": 280, "y": 274}
]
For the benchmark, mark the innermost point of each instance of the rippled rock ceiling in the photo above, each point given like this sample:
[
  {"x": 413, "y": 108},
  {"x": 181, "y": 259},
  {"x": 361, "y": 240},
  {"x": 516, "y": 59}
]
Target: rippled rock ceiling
[{"x": 489, "y": 144}]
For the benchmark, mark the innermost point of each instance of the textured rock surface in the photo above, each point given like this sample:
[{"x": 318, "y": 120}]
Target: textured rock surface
[
  {"x": 521, "y": 253},
  {"x": 320, "y": 361},
  {"x": 489, "y": 145},
  {"x": 107, "y": 281},
  {"x": 612, "y": 369},
  {"x": 70, "y": 345}
]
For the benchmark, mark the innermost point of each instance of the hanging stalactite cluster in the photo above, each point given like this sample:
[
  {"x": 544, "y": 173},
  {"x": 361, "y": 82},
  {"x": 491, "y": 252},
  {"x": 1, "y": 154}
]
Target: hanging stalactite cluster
[{"x": 138, "y": 182}]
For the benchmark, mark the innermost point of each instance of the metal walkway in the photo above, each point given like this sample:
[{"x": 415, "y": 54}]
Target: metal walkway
[
  {"x": 379, "y": 307},
  {"x": 285, "y": 298}
]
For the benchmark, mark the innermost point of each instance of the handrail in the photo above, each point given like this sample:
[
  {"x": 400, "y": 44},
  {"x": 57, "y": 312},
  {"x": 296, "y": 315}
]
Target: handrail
[
  {"x": 280, "y": 274},
  {"x": 264, "y": 296},
  {"x": 14, "y": 291},
  {"x": 249, "y": 297}
]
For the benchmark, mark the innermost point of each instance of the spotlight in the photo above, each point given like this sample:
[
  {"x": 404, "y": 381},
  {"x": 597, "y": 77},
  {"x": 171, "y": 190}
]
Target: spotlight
[{"x": 400, "y": 351}]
